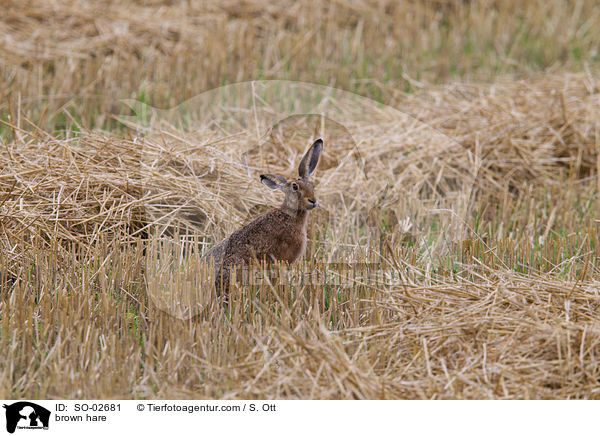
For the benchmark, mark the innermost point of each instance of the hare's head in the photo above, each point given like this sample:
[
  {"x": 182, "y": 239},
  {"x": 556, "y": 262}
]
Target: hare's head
[{"x": 300, "y": 193}]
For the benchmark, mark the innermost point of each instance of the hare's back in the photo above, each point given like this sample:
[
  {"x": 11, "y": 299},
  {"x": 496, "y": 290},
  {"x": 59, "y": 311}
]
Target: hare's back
[
  {"x": 275, "y": 235},
  {"x": 215, "y": 255}
]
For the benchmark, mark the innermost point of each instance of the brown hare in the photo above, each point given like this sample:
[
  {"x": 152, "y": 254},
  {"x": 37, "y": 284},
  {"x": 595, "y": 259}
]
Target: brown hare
[{"x": 279, "y": 234}]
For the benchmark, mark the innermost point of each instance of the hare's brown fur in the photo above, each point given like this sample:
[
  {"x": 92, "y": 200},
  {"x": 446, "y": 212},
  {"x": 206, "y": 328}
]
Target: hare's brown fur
[{"x": 279, "y": 234}]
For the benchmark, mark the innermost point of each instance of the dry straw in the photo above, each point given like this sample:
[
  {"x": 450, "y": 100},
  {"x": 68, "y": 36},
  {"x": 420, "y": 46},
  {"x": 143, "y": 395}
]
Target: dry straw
[
  {"x": 457, "y": 252},
  {"x": 68, "y": 56},
  {"x": 479, "y": 258}
]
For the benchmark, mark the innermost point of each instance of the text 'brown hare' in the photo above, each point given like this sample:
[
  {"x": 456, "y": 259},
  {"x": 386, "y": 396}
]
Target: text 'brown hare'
[{"x": 279, "y": 234}]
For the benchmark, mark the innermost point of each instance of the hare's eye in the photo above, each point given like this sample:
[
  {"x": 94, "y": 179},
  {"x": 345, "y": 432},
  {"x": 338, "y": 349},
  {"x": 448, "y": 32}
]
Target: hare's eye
[{"x": 295, "y": 186}]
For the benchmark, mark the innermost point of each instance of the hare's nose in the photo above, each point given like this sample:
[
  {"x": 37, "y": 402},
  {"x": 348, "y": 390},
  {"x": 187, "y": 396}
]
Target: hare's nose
[{"x": 313, "y": 203}]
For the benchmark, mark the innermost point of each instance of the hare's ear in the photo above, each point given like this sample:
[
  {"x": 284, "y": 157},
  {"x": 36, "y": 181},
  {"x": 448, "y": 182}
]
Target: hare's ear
[
  {"x": 310, "y": 160},
  {"x": 273, "y": 181}
]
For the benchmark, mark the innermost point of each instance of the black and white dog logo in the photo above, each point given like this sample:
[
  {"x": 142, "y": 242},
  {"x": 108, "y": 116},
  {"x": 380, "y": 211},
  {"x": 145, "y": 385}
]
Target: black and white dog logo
[{"x": 26, "y": 415}]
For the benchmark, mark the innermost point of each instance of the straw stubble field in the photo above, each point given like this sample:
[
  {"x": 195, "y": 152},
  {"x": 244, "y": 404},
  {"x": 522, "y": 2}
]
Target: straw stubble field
[{"x": 456, "y": 254}]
